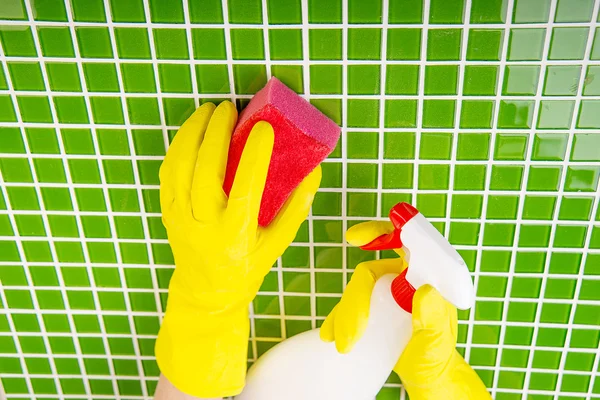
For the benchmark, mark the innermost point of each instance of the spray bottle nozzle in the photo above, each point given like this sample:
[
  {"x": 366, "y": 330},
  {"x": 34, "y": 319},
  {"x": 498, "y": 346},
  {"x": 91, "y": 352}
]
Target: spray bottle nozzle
[
  {"x": 400, "y": 214},
  {"x": 431, "y": 259}
]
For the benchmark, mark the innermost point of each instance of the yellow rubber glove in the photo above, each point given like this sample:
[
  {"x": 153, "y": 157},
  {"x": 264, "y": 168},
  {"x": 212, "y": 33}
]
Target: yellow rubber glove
[
  {"x": 430, "y": 367},
  {"x": 221, "y": 254}
]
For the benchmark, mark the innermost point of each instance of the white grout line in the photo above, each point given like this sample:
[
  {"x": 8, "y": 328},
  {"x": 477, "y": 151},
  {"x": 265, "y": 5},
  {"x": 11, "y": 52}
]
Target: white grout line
[
  {"x": 190, "y": 40},
  {"x": 344, "y": 143},
  {"x": 457, "y": 117},
  {"x": 306, "y": 89},
  {"x": 555, "y": 220},
  {"x": 155, "y": 70},
  {"x": 282, "y": 62},
  {"x": 228, "y": 51},
  {"x": 488, "y": 172},
  {"x": 589, "y": 229},
  {"x": 295, "y": 26},
  {"x": 382, "y": 90},
  {"x": 327, "y": 161},
  {"x": 163, "y": 94},
  {"x": 243, "y": 96},
  {"x": 131, "y": 144},
  {"x": 523, "y": 191}
]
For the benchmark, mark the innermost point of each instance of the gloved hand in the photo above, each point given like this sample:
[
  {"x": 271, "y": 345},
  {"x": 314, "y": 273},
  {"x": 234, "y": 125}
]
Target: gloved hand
[
  {"x": 430, "y": 367},
  {"x": 221, "y": 254}
]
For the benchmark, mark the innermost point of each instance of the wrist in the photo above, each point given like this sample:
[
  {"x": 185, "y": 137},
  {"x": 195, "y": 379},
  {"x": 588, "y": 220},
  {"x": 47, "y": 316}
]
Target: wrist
[{"x": 203, "y": 352}]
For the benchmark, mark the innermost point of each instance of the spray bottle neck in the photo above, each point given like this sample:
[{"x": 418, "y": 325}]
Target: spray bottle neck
[{"x": 403, "y": 292}]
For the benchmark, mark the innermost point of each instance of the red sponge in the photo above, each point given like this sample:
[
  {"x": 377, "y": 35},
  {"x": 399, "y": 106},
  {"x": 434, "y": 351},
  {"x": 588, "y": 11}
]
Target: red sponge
[{"x": 303, "y": 138}]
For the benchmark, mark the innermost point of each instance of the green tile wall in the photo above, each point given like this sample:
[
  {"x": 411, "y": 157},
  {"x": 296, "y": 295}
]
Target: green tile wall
[{"x": 483, "y": 113}]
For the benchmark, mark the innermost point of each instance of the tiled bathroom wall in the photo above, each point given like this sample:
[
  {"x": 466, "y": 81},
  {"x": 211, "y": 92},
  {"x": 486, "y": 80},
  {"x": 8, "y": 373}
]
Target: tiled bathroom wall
[{"x": 485, "y": 114}]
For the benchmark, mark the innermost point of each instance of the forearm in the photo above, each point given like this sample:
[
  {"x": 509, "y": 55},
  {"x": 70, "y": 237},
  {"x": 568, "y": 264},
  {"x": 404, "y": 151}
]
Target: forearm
[{"x": 166, "y": 391}]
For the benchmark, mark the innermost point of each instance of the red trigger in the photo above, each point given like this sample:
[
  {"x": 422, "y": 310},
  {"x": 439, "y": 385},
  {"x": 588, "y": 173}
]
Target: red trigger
[{"x": 400, "y": 214}]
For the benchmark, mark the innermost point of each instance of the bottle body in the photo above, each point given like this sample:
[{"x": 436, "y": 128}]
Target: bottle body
[{"x": 304, "y": 367}]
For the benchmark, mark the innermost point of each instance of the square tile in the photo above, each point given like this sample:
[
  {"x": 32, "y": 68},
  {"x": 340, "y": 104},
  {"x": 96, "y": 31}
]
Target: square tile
[
  {"x": 526, "y": 44},
  {"x": 485, "y": 44},
  {"x": 209, "y": 44},
  {"x": 132, "y": 43},
  {"x": 446, "y": 12},
  {"x": 325, "y": 44},
  {"x": 94, "y": 42},
  {"x": 247, "y": 44},
  {"x": 284, "y": 12},
  {"x": 402, "y": 79},
  {"x": 285, "y": 44},
  {"x": 488, "y": 12},
  {"x": 568, "y": 43},
  {"x": 441, "y": 79},
  {"x": 326, "y": 79},
  {"x": 531, "y": 11},
  {"x": 444, "y": 44},
  {"x": 170, "y": 44},
  {"x": 364, "y": 79},
  {"x": 406, "y": 12},
  {"x": 480, "y": 80},
  {"x": 562, "y": 80},
  {"x": 404, "y": 44},
  {"x": 364, "y": 44}
]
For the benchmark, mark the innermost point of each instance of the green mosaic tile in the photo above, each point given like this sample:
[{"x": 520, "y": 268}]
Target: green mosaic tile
[
  {"x": 363, "y": 79},
  {"x": 132, "y": 43},
  {"x": 364, "y": 44},
  {"x": 480, "y": 80},
  {"x": 329, "y": 11},
  {"x": 515, "y": 114},
  {"x": 17, "y": 42},
  {"x": 562, "y": 80},
  {"x": 526, "y": 44},
  {"x": 247, "y": 44},
  {"x": 400, "y": 113},
  {"x": 568, "y": 43},
  {"x": 325, "y": 44},
  {"x": 485, "y": 44},
  {"x": 404, "y": 44},
  {"x": 444, "y": 44},
  {"x": 402, "y": 79}
]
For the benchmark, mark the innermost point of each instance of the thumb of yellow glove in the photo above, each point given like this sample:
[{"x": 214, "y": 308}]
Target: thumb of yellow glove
[{"x": 430, "y": 367}]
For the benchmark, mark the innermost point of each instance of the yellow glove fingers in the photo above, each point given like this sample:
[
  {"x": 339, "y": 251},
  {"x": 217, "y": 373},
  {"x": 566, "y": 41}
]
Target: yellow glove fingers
[
  {"x": 432, "y": 312},
  {"x": 249, "y": 182},
  {"x": 434, "y": 338},
  {"x": 347, "y": 324},
  {"x": 208, "y": 197},
  {"x": 352, "y": 312},
  {"x": 366, "y": 232},
  {"x": 378, "y": 268},
  {"x": 282, "y": 230},
  {"x": 326, "y": 332},
  {"x": 177, "y": 170}
]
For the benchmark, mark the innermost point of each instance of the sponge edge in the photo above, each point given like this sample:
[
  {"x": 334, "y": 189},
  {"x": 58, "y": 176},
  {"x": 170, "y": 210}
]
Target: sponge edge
[{"x": 303, "y": 138}]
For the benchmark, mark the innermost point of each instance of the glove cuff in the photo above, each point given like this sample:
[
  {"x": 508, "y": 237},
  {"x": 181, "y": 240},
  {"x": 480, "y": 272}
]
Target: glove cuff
[{"x": 204, "y": 354}]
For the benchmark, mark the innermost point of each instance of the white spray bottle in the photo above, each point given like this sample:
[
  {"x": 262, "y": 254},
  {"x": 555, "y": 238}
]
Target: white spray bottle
[{"x": 306, "y": 368}]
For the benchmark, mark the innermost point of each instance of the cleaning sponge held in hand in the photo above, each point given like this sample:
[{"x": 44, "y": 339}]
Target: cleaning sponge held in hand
[{"x": 303, "y": 138}]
